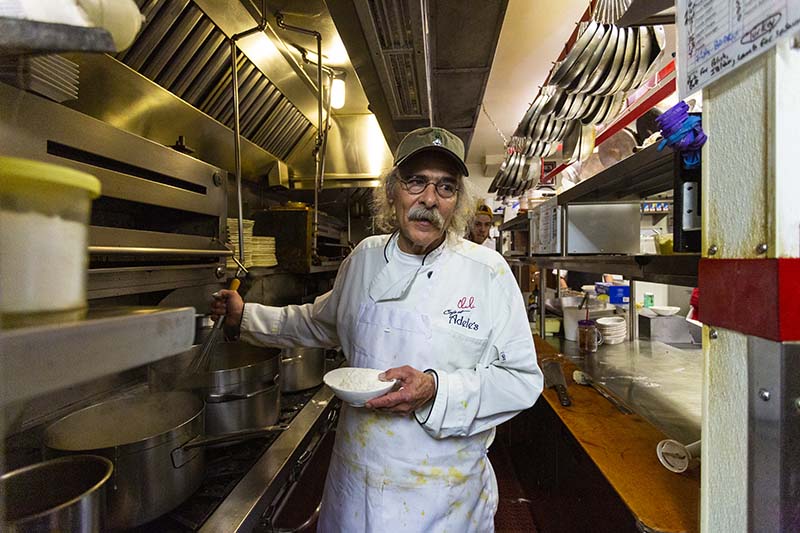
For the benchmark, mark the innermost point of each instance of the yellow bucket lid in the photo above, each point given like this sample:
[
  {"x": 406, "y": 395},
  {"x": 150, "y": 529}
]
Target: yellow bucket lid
[{"x": 17, "y": 173}]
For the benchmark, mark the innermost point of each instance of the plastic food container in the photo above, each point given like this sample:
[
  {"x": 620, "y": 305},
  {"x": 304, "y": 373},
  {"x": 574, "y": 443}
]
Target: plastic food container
[{"x": 44, "y": 216}]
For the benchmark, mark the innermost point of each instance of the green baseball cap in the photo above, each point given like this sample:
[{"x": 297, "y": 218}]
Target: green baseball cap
[{"x": 432, "y": 139}]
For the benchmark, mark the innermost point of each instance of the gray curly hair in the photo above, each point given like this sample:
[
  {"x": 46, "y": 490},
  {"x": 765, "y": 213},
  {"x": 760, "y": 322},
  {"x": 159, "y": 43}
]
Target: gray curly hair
[{"x": 386, "y": 219}]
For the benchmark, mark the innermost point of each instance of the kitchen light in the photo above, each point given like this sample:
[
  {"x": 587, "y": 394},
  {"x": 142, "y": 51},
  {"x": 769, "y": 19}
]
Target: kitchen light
[{"x": 337, "y": 91}]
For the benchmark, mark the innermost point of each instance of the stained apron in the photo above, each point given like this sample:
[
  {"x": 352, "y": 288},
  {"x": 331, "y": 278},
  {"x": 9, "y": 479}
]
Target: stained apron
[{"x": 387, "y": 474}]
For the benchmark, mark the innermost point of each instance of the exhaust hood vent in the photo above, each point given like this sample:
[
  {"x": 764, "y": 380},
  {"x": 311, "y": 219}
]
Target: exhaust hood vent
[
  {"x": 402, "y": 53},
  {"x": 182, "y": 50},
  {"x": 392, "y": 23},
  {"x": 405, "y": 79}
]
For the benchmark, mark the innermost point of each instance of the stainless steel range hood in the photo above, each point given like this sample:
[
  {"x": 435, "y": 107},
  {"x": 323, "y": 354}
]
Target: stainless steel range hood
[{"x": 175, "y": 81}]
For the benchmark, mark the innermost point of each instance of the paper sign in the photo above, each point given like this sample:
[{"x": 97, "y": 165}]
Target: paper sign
[{"x": 717, "y": 36}]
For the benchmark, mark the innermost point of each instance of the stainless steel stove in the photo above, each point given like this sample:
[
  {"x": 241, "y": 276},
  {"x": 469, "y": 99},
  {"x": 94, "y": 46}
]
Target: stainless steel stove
[{"x": 244, "y": 480}]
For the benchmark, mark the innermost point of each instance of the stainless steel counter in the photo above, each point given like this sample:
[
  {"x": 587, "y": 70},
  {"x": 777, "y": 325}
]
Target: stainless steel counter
[{"x": 659, "y": 382}]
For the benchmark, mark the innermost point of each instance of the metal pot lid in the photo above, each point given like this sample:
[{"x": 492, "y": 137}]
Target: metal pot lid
[
  {"x": 628, "y": 60},
  {"x": 123, "y": 421},
  {"x": 565, "y": 72},
  {"x": 588, "y": 102},
  {"x": 594, "y": 107},
  {"x": 630, "y": 75},
  {"x": 562, "y": 109},
  {"x": 555, "y": 95},
  {"x": 572, "y": 139},
  {"x": 600, "y": 106},
  {"x": 657, "y": 51},
  {"x": 582, "y": 63},
  {"x": 645, "y": 55},
  {"x": 616, "y": 148},
  {"x": 603, "y": 67},
  {"x": 581, "y": 82},
  {"x": 617, "y": 103},
  {"x": 616, "y": 64},
  {"x": 523, "y": 124}
]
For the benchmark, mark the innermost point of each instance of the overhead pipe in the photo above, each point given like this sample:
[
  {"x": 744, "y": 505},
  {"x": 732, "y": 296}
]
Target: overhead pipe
[
  {"x": 237, "y": 141},
  {"x": 319, "y": 147}
]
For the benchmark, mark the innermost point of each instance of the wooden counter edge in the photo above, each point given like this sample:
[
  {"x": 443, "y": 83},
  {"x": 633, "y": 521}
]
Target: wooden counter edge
[{"x": 624, "y": 449}]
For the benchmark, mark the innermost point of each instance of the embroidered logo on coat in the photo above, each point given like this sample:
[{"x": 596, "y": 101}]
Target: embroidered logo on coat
[
  {"x": 459, "y": 316},
  {"x": 466, "y": 303}
]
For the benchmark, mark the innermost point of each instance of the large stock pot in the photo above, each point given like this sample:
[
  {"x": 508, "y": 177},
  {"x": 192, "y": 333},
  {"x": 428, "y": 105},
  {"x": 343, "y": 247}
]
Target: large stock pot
[
  {"x": 156, "y": 442},
  {"x": 241, "y": 386},
  {"x": 301, "y": 368},
  {"x": 63, "y": 494}
]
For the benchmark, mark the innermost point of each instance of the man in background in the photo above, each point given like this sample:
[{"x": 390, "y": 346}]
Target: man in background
[{"x": 480, "y": 226}]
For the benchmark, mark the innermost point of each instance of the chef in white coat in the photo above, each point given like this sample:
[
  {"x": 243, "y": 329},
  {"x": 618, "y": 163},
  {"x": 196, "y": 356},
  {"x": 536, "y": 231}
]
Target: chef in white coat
[{"x": 444, "y": 317}]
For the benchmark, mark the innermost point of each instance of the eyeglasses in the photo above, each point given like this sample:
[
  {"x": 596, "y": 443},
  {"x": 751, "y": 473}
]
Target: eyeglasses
[{"x": 445, "y": 188}]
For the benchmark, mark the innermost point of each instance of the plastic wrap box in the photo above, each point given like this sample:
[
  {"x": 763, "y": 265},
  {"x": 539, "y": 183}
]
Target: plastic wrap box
[{"x": 617, "y": 294}]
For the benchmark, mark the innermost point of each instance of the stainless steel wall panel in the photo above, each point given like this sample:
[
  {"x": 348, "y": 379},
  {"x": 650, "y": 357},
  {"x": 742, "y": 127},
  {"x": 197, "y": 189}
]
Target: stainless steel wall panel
[
  {"x": 123, "y": 98},
  {"x": 112, "y": 282},
  {"x": 773, "y": 437},
  {"x": 104, "y": 236}
]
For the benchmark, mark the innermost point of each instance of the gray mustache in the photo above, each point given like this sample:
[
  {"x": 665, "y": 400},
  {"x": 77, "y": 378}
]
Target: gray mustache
[{"x": 422, "y": 213}]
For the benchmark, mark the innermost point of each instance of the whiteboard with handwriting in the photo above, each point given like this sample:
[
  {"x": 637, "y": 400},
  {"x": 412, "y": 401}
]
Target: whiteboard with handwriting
[{"x": 717, "y": 36}]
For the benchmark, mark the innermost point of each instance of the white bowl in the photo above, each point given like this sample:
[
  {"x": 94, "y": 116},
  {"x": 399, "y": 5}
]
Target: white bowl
[
  {"x": 666, "y": 310},
  {"x": 357, "y": 386},
  {"x": 611, "y": 321}
]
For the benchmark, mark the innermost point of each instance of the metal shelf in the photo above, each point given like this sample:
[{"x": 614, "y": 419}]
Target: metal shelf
[
  {"x": 43, "y": 359},
  {"x": 678, "y": 269},
  {"x": 521, "y": 221},
  {"x": 648, "y": 13},
  {"x": 23, "y": 37},
  {"x": 640, "y": 175}
]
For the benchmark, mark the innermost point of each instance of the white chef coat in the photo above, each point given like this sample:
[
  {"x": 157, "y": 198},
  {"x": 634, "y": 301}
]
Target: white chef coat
[{"x": 458, "y": 313}]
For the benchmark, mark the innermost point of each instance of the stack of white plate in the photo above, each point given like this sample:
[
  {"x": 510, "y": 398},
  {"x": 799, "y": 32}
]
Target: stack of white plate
[
  {"x": 233, "y": 238},
  {"x": 262, "y": 251},
  {"x": 613, "y": 328}
]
